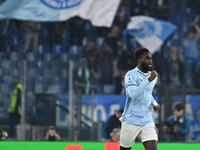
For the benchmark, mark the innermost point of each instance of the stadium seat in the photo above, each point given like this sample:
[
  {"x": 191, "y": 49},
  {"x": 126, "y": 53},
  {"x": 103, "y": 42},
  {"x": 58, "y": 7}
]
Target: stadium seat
[
  {"x": 49, "y": 73},
  {"x": 1, "y": 79},
  {"x": 42, "y": 49},
  {"x": 7, "y": 79},
  {"x": 4, "y": 71},
  {"x": 54, "y": 89},
  {"x": 15, "y": 72},
  {"x": 5, "y": 88},
  {"x": 42, "y": 80},
  {"x": 64, "y": 73},
  {"x": 42, "y": 65},
  {"x": 30, "y": 56},
  {"x": 1, "y": 72},
  {"x": 66, "y": 87},
  {"x": 14, "y": 56},
  {"x": 59, "y": 49},
  {"x": 57, "y": 80},
  {"x": 47, "y": 57},
  {"x": 99, "y": 42},
  {"x": 31, "y": 64},
  {"x": 55, "y": 64},
  {"x": 39, "y": 88},
  {"x": 75, "y": 49},
  {"x": 33, "y": 73},
  {"x": 64, "y": 58},
  {"x": 29, "y": 87},
  {"x": 108, "y": 88},
  {"x": 3, "y": 56},
  {"x": 56, "y": 57},
  {"x": 6, "y": 64},
  {"x": 85, "y": 40}
]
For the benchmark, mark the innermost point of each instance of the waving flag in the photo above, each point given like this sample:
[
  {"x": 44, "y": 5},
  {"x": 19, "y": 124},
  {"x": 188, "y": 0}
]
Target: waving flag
[
  {"x": 99, "y": 12},
  {"x": 150, "y": 32}
]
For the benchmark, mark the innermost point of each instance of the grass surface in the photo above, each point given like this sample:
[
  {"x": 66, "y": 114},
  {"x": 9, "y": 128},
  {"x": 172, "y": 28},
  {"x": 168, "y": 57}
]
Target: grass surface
[{"x": 19, "y": 145}]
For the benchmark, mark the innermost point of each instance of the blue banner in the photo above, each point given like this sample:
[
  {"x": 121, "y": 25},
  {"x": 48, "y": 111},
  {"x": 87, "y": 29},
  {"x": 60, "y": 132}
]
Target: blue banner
[
  {"x": 150, "y": 32},
  {"x": 60, "y": 10}
]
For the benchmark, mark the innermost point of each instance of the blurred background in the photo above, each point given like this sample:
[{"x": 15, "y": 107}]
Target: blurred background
[{"x": 67, "y": 76}]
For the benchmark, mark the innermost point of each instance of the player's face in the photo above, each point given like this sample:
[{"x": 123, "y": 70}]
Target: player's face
[{"x": 146, "y": 62}]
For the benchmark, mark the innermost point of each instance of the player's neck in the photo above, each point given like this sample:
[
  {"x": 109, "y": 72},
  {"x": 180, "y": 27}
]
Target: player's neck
[{"x": 142, "y": 69}]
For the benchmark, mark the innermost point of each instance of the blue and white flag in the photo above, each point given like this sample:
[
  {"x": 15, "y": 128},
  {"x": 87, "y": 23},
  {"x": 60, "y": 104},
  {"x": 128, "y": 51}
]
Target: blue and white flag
[
  {"x": 149, "y": 32},
  {"x": 99, "y": 12}
]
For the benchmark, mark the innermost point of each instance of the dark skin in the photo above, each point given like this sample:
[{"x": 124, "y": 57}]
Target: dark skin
[{"x": 145, "y": 64}]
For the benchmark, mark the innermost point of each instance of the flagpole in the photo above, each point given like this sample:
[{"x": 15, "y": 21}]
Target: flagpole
[
  {"x": 71, "y": 102},
  {"x": 22, "y": 127}
]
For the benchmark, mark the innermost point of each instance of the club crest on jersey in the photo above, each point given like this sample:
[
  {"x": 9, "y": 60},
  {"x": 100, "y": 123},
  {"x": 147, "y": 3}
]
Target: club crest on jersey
[{"x": 61, "y": 4}]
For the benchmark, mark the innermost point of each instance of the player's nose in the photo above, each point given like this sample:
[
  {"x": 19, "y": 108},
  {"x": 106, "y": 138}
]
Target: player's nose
[{"x": 150, "y": 61}]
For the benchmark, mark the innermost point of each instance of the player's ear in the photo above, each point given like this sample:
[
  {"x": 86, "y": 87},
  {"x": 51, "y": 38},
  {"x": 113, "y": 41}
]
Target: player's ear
[{"x": 139, "y": 60}]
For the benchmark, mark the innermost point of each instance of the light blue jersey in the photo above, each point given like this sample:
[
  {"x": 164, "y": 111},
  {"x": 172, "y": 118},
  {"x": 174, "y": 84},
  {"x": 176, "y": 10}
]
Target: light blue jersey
[{"x": 139, "y": 98}]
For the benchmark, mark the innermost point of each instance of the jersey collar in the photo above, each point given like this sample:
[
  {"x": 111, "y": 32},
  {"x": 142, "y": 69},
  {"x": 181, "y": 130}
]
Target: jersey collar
[{"x": 145, "y": 74}]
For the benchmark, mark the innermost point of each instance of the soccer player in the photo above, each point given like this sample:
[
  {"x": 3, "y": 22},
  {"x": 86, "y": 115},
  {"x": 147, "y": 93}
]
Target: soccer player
[{"x": 137, "y": 118}]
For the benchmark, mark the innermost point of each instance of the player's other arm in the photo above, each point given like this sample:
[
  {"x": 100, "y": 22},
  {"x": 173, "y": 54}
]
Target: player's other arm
[
  {"x": 155, "y": 105},
  {"x": 134, "y": 90}
]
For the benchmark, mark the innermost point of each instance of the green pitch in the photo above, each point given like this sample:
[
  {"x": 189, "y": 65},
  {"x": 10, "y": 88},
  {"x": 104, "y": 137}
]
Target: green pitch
[{"x": 19, "y": 145}]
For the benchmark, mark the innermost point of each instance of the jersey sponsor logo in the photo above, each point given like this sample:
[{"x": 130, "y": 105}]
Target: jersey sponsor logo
[{"x": 61, "y": 4}]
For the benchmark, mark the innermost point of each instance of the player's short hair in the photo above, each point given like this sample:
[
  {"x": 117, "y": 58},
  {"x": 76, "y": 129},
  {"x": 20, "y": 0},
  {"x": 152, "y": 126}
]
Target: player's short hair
[
  {"x": 120, "y": 111},
  {"x": 179, "y": 106},
  {"x": 139, "y": 52}
]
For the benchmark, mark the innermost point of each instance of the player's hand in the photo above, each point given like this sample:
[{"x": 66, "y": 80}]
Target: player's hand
[
  {"x": 156, "y": 107},
  {"x": 153, "y": 75}
]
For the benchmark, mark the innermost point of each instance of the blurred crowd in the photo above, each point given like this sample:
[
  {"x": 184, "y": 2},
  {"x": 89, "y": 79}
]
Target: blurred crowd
[{"x": 105, "y": 54}]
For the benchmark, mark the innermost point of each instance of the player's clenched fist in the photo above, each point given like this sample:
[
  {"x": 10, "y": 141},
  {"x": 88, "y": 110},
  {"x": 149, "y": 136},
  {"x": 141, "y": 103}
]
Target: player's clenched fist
[
  {"x": 153, "y": 75},
  {"x": 156, "y": 107}
]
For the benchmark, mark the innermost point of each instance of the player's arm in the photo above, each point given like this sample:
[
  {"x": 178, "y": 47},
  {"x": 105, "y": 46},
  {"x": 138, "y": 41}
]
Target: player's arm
[
  {"x": 134, "y": 90},
  {"x": 155, "y": 105}
]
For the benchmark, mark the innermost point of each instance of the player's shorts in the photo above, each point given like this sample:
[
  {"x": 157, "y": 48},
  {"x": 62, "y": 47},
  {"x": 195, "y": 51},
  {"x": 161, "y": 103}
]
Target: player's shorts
[{"x": 130, "y": 132}]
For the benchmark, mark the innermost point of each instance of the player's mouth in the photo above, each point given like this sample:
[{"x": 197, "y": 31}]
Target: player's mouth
[{"x": 150, "y": 65}]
